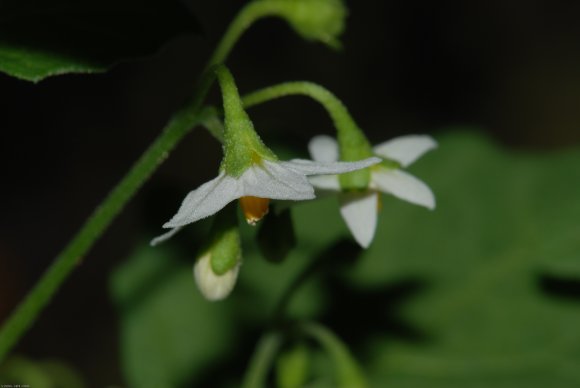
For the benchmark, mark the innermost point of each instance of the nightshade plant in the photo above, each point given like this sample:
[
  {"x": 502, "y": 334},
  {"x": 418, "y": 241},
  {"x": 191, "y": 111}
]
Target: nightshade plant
[
  {"x": 252, "y": 173},
  {"x": 306, "y": 273}
]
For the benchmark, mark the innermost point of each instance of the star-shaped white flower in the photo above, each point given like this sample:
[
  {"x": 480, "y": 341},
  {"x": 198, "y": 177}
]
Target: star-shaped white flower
[
  {"x": 359, "y": 209},
  {"x": 262, "y": 181}
]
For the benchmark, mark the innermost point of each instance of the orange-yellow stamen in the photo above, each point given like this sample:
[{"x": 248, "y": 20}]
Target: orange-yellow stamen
[
  {"x": 379, "y": 203},
  {"x": 254, "y": 208}
]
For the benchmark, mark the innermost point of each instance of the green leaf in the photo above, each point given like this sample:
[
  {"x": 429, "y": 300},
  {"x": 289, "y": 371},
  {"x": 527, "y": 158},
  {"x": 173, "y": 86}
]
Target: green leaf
[
  {"x": 481, "y": 292},
  {"x": 39, "y": 38},
  {"x": 168, "y": 331},
  {"x": 263, "y": 284}
]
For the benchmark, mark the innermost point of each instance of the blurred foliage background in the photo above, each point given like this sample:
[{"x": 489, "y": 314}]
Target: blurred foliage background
[{"x": 484, "y": 291}]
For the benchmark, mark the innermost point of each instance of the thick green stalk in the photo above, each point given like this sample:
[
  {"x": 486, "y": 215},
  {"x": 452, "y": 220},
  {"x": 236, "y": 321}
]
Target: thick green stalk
[
  {"x": 27, "y": 311},
  {"x": 242, "y": 145}
]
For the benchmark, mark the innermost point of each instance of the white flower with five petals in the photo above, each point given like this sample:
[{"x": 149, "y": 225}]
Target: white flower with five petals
[
  {"x": 359, "y": 209},
  {"x": 262, "y": 181}
]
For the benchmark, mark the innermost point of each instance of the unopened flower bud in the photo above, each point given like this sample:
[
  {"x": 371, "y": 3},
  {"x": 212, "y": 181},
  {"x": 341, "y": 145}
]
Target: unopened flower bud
[
  {"x": 214, "y": 287},
  {"x": 216, "y": 270},
  {"x": 321, "y": 20}
]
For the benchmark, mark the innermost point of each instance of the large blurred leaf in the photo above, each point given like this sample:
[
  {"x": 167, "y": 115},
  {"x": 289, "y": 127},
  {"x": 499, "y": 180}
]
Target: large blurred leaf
[
  {"x": 168, "y": 331},
  {"x": 496, "y": 261},
  {"x": 484, "y": 291},
  {"x": 40, "y": 38},
  {"x": 171, "y": 337},
  {"x": 22, "y": 372}
]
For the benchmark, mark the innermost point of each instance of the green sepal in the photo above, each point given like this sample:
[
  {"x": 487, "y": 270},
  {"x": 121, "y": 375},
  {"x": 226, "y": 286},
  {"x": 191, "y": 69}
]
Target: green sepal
[
  {"x": 354, "y": 146},
  {"x": 242, "y": 145},
  {"x": 225, "y": 246},
  {"x": 355, "y": 181},
  {"x": 390, "y": 164}
]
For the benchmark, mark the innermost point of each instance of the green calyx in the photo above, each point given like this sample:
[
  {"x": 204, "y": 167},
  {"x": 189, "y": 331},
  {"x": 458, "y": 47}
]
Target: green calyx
[
  {"x": 390, "y": 164},
  {"x": 226, "y": 251},
  {"x": 242, "y": 145},
  {"x": 225, "y": 246},
  {"x": 354, "y": 146},
  {"x": 356, "y": 180},
  {"x": 318, "y": 20}
]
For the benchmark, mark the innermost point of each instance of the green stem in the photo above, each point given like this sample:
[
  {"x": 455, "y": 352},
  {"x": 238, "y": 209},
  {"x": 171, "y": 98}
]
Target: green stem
[
  {"x": 348, "y": 372},
  {"x": 213, "y": 123},
  {"x": 257, "y": 371},
  {"x": 27, "y": 311},
  {"x": 246, "y": 17},
  {"x": 185, "y": 119},
  {"x": 353, "y": 136},
  {"x": 353, "y": 143},
  {"x": 310, "y": 269}
]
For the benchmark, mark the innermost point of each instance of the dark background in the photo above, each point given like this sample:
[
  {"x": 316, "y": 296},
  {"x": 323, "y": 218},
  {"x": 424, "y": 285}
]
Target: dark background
[{"x": 510, "y": 69}]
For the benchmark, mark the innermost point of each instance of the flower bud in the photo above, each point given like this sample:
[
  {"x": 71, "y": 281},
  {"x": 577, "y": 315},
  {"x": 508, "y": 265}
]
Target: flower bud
[
  {"x": 214, "y": 287},
  {"x": 321, "y": 20},
  {"x": 216, "y": 270}
]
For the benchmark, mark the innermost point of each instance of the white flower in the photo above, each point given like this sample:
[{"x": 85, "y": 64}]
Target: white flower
[
  {"x": 262, "y": 181},
  {"x": 359, "y": 209}
]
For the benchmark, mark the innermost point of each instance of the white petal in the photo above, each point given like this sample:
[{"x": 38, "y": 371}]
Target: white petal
[
  {"x": 273, "y": 180},
  {"x": 406, "y": 149},
  {"x": 325, "y": 182},
  {"x": 359, "y": 211},
  {"x": 165, "y": 236},
  {"x": 309, "y": 167},
  {"x": 404, "y": 186},
  {"x": 213, "y": 287},
  {"x": 323, "y": 148},
  {"x": 206, "y": 200}
]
